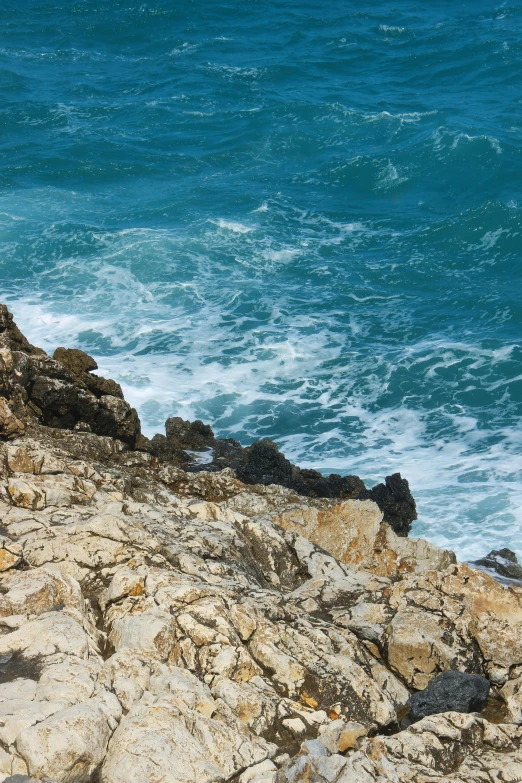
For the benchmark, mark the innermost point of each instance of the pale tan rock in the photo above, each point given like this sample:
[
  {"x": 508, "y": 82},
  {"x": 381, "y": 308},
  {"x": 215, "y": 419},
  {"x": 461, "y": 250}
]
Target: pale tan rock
[
  {"x": 11, "y": 764},
  {"x": 265, "y": 772},
  {"x": 38, "y": 591},
  {"x": 26, "y": 494},
  {"x": 243, "y": 621},
  {"x": 458, "y": 618},
  {"x": 151, "y": 632},
  {"x": 21, "y": 688},
  {"x": 354, "y": 533},
  {"x": 125, "y": 582},
  {"x": 511, "y": 693},
  {"x": 17, "y": 714},
  {"x": 69, "y": 745},
  {"x": 445, "y": 748},
  {"x": 158, "y": 741},
  {"x": 69, "y": 681},
  {"x": 10, "y": 425},
  {"x": 252, "y": 702},
  {"x": 230, "y": 625},
  {"x": 346, "y": 530},
  {"x": 19, "y": 460},
  {"x": 421, "y": 644},
  {"x": 339, "y": 735},
  {"x": 10, "y": 554},
  {"x": 49, "y": 634},
  {"x": 127, "y": 674}
]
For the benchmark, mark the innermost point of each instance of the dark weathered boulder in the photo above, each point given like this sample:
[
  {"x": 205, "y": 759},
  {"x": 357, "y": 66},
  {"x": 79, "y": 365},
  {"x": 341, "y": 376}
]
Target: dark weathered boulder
[
  {"x": 397, "y": 503},
  {"x": 188, "y": 434},
  {"x": 263, "y": 463},
  {"x": 100, "y": 386},
  {"x": 60, "y": 392},
  {"x": 78, "y": 362},
  {"x": 451, "y": 691},
  {"x": 504, "y": 562}
]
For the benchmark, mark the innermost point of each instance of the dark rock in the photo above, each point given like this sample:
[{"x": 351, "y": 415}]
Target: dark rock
[
  {"x": 63, "y": 404},
  {"x": 61, "y": 392},
  {"x": 81, "y": 365},
  {"x": 396, "y": 502},
  {"x": 504, "y": 562},
  {"x": 188, "y": 434},
  {"x": 100, "y": 386},
  {"x": 227, "y": 452},
  {"x": 75, "y": 360},
  {"x": 263, "y": 463},
  {"x": 451, "y": 691}
]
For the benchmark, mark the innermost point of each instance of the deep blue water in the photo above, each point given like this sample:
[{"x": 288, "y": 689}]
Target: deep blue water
[{"x": 295, "y": 219}]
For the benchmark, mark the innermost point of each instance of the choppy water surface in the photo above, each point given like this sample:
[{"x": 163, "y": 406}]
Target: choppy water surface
[{"x": 290, "y": 219}]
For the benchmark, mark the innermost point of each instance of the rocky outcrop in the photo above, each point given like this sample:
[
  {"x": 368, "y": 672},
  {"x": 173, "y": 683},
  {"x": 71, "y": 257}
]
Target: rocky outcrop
[
  {"x": 159, "y": 624},
  {"x": 59, "y": 392},
  {"x": 439, "y": 749},
  {"x": 263, "y": 463}
]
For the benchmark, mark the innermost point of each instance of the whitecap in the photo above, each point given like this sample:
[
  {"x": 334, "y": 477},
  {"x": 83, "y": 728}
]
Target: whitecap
[{"x": 232, "y": 225}]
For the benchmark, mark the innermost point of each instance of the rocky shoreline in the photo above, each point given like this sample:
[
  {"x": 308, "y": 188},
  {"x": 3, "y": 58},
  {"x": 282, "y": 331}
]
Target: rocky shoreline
[{"x": 242, "y": 620}]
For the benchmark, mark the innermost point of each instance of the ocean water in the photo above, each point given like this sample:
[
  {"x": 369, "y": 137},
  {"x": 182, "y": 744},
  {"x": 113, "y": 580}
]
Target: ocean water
[{"x": 296, "y": 220}]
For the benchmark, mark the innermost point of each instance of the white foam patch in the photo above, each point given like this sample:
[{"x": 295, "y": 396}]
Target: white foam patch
[
  {"x": 444, "y": 137},
  {"x": 233, "y": 225}
]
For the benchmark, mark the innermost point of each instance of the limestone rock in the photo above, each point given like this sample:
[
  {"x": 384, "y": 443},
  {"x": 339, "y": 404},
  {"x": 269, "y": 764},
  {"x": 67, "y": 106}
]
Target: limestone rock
[
  {"x": 458, "y": 618},
  {"x": 511, "y": 693},
  {"x": 450, "y": 747},
  {"x": 69, "y": 745},
  {"x": 156, "y": 740},
  {"x": 10, "y": 425}
]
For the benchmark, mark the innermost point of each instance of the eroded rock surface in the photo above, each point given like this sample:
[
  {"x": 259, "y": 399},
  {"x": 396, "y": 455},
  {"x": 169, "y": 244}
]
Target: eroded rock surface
[{"x": 159, "y": 625}]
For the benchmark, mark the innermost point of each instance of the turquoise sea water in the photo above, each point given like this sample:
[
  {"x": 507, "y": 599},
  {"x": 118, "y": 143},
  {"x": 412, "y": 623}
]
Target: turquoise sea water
[{"x": 295, "y": 219}]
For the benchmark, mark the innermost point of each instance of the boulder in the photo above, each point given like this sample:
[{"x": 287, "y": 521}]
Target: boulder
[
  {"x": 60, "y": 392},
  {"x": 449, "y": 748},
  {"x": 10, "y": 425},
  {"x": 504, "y": 562},
  {"x": 75, "y": 360},
  {"x": 450, "y": 691},
  {"x": 69, "y": 745}
]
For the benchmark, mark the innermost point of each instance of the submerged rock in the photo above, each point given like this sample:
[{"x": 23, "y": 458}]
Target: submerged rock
[
  {"x": 451, "y": 691},
  {"x": 504, "y": 562}
]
